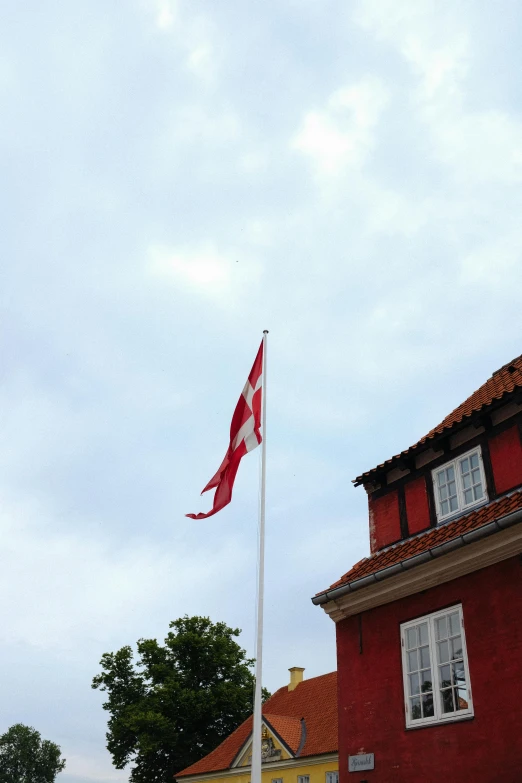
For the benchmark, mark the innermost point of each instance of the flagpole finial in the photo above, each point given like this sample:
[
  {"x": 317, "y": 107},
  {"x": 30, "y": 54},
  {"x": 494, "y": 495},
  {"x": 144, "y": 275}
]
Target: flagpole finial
[{"x": 265, "y": 331}]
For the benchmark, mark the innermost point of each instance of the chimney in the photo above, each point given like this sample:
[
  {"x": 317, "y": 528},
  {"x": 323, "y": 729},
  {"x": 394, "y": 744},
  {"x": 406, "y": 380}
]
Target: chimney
[{"x": 296, "y": 676}]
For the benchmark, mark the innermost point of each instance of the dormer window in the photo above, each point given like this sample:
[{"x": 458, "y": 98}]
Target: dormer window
[{"x": 459, "y": 485}]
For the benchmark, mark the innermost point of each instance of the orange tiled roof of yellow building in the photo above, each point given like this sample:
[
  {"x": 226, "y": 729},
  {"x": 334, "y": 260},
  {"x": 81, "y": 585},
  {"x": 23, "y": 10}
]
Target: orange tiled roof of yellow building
[{"x": 314, "y": 700}]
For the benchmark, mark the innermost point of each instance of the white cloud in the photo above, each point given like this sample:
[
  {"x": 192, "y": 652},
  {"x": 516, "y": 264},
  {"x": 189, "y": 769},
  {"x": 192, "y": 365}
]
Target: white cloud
[
  {"x": 201, "y": 61},
  {"x": 494, "y": 262},
  {"x": 225, "y": 278},
  {"x": 78, "y": 589},
  {"x": 194, "y": 35},
  {"x": 343, "y": 134},
  {"x": 166, "y": 13},
  {"x": 430, "y": 35},
  {"x": 433, "y": 37}
]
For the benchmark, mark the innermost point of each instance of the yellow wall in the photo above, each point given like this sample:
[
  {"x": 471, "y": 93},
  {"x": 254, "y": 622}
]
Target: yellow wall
[{"x": 288, "y": 771}]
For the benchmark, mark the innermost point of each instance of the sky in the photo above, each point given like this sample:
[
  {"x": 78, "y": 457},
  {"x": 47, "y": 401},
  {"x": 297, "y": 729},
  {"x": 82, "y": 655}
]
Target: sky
[{"x": 177, "y": 177}]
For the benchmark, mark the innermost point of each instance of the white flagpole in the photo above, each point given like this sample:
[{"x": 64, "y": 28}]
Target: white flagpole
[{"x": 256, "y": 730}]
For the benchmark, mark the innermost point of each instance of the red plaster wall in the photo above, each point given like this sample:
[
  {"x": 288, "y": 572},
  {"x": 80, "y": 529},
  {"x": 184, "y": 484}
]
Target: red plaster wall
[
  {"x": 417, "y": 509},
  {"x": 385, "y": 523},
  {"x": 506, "y": 459},
  {"x": 371, "y": 700}
]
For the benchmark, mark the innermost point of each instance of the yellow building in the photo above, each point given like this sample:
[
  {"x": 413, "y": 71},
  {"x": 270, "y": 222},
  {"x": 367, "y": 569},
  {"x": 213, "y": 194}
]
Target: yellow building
[{"x": 299, "y": 739}]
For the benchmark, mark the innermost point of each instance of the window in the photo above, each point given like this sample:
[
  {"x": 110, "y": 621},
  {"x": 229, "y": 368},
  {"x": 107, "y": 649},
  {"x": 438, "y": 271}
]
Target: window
[
  {"x": 277, "y": 780},
  {"x": 459, "y": 484},
  {"x": 332, "y": 777},
  {"x": 303, "y": 779},
  {"x": 435, "y": 668}
]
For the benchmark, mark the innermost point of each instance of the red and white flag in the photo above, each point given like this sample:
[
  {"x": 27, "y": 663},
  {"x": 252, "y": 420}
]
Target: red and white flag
[{"x": 245, "y": 435}]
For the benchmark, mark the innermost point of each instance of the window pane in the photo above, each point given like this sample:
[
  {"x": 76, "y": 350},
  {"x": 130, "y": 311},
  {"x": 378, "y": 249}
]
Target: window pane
[
  {"x": 478, "y": 492},
  {"x": 424, "y": 657},
  {"x": 464, "y": 465},
  {"x": 427, "y": 706},
  {"x": 456, "y": 648},
  {"x": 423, "y": 633},
  {"x": 414, "y": 684},
  {"x": 476, "y": 476},
  {"x": 462, "y": 698},
  {"x": 441, "y": 627},
  {"x": 459, "y": 675},
  {"x": 474, "y": 460},
  {"x": 466, "y": 481},
  {"x": 443, "y": 651},
  {"x": 415, "y": 708},
  {"x": 444, "y": 507},
  {"x": 453, "y": 504},
  {"x": 413, "y": 665},
  {"x": 468, "y": 496},
  {"x": 426, "y": 683},
  {"x": 443, "y": 492},
  {"x": 445, "y": 676},
  {"x": 452, "y": 488},
  {"x": 440, "y": 478},
  {"x": 447, "y": 700},
  {"x": 411, "y": 638},
  {"x": 451, "y": 473},
  {"x": 454, "y": 624}
]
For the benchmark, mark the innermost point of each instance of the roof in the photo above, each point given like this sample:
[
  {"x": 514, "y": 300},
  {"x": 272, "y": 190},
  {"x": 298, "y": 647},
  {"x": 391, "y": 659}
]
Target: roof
[
  {"x": 315, "y": 700},
  {"x": 502, "y": 383},
  {"x": 289, "y": 729},
  {"x": 431, "y": 538}
]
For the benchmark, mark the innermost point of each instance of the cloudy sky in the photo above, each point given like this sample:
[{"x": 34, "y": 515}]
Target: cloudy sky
[{"x": 176, "y": 177}]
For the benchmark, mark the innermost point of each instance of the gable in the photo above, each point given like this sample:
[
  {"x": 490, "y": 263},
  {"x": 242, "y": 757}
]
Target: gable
[{"x": 273, "y": 745}]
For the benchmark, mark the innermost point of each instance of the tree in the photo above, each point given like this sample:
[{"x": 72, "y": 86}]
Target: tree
[
  {"x": 26, "y": 758},
  {"x": 179, "y": 701}
]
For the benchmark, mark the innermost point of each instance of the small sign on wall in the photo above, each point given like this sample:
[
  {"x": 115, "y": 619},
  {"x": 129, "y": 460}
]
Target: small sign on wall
[{"x": 360, "y": 762}]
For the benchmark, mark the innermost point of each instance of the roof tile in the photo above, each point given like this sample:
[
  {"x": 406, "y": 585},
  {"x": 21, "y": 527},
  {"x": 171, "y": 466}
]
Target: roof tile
[{"x": 431, "y": 538}]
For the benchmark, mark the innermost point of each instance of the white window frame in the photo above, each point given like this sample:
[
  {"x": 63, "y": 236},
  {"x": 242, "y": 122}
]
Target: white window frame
[
  {"x": 277, "y": 780},
  {"x": 303, "y": 779},
  {"x": 460, "y": 489},
  {"x": 329, "y": 776},
  {"x": 439, "y": 716}
]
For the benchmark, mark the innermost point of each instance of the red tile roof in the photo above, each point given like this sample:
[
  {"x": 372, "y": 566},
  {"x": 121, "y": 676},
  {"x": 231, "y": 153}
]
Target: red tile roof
[
  {"x": 502, "y": 383},
  {"x": 431, "y": 538},
  {"x": 315, "y": 700},
  {"x": 289, "y": 729}
]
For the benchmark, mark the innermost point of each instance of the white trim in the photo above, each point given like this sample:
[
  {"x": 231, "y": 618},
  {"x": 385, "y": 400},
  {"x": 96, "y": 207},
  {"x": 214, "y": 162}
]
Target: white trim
[
  {"x": 438, "y": 717},
  {"x": 455, "y": 462}
]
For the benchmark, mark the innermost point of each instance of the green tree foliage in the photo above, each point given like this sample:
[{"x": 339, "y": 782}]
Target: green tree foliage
[
  {"x": 26, "y": 758},
  {"x": 179, "y": 701}
]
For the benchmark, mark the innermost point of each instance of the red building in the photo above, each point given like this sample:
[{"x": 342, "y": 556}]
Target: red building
[{"x": 429, "y": 626}]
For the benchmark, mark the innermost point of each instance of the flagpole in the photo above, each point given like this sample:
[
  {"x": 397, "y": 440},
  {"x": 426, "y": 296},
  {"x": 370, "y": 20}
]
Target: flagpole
[{"x": 257, "y": 724}]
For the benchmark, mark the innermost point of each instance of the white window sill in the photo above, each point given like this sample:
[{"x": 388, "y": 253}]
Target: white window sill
[{"x": 452, "y": 719}]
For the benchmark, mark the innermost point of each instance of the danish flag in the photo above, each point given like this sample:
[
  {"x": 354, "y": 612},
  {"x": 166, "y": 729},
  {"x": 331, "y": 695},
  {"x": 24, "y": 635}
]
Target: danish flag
[{"x": 245, "y": 435}]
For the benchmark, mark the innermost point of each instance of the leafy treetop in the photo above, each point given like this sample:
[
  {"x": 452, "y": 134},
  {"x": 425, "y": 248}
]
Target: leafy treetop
[
  {"x": 179, "y": 701},
  {"x": 26, "y": 758}
]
